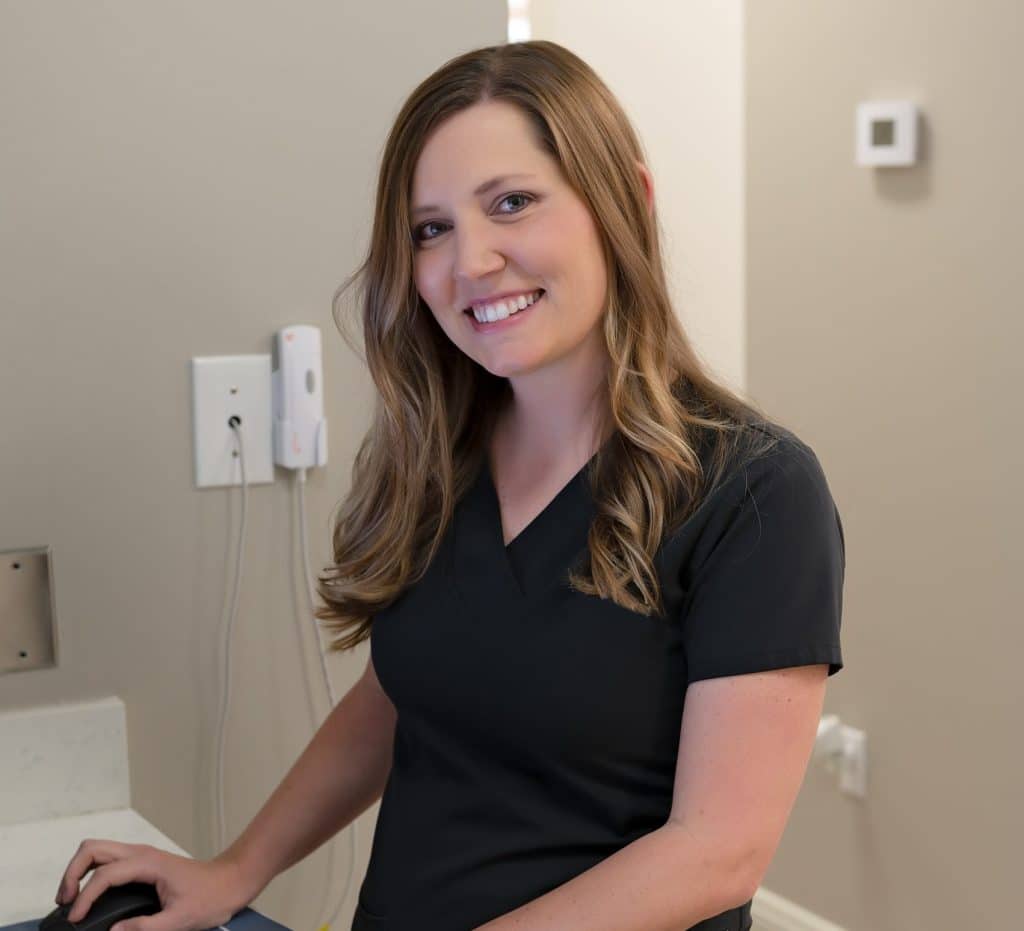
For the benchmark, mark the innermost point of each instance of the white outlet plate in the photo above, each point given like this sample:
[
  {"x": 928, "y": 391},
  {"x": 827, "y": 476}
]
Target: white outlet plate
[{"x": 221, "y": 387}]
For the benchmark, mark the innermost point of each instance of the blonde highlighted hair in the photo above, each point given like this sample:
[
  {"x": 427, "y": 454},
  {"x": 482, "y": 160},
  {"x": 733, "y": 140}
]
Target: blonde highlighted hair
[{"x": 436, "y": 406}]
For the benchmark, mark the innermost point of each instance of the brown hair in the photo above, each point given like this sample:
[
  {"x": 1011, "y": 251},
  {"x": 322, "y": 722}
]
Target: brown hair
[{"x": 436, "y": 406}]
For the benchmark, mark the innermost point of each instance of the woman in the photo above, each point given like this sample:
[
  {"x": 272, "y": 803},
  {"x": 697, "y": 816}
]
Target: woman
[{"x": 603, "y": 592}]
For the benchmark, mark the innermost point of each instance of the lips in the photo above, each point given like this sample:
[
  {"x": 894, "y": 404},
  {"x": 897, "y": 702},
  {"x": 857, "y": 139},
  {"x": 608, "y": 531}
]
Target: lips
[
  {"x": 539, "y": 291},
  {"x": 511, "y": 320}
]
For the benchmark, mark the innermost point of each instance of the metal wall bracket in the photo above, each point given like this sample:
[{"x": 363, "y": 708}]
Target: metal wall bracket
[{"x": 28, "y": 636}]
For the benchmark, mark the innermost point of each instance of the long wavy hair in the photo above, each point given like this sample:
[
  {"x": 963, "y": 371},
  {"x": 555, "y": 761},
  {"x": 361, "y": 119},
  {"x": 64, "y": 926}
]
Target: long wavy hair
[{"x": 435, "y": 406}]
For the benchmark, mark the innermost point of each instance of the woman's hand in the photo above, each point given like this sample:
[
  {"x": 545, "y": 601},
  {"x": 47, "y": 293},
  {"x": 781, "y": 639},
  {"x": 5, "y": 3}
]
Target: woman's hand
[{"x": 194, "y": 894}]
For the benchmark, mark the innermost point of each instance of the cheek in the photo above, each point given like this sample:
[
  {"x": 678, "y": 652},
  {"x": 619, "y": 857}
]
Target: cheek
[
  {"x": 451, "y": 324},
  {"x": 569, "y": 249},
  {"x": 427, "y": 273},
  {"x": 423, "y": 284}
]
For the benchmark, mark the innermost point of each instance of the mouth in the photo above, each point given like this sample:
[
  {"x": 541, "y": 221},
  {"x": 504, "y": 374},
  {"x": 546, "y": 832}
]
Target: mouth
[{"x": 505, "y": 321}]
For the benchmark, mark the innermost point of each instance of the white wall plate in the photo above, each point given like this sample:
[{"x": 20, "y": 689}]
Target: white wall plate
[{"x": 223, "y": 386}]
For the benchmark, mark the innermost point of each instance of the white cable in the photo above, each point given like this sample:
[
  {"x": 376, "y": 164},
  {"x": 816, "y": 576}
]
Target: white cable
[
  {"x": 226, "y": 642},
  {"x": 309, "y": 586},
  {"x": 226, "y": 654},
  {"x": 307, "y": 574}
]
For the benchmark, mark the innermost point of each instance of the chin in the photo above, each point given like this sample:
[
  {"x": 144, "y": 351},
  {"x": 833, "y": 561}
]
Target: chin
[{"x": 511, "y": 368}]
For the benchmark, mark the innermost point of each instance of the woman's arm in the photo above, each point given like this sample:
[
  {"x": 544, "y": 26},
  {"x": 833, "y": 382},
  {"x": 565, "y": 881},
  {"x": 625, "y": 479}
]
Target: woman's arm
[
  {"x": 338, "y": 776},
  {"x": 745, "y": 744}
]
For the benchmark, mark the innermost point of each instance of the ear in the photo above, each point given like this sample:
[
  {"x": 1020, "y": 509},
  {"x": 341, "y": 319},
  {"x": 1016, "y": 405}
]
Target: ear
[{"x": 648, "y": 182}]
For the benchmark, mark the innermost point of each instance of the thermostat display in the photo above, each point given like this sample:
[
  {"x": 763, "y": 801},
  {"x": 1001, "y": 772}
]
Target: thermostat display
[{"x": 887, "y": 132}]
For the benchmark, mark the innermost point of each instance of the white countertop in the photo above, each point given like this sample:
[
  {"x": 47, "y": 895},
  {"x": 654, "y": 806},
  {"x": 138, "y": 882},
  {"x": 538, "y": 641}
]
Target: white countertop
[{"x": 63, "y": 778}]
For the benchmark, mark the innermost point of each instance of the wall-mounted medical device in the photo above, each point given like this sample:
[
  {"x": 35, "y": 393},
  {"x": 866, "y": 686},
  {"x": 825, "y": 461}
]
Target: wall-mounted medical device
[
  {"x": 300, "y": 430},
  {"x": 887, "y": 132}
]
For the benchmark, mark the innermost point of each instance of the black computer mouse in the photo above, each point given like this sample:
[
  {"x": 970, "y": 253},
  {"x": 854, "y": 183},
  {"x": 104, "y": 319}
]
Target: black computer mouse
[{"x": 111, "y": 906}]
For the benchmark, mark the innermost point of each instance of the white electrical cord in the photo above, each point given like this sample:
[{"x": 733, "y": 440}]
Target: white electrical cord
[
  {"x": 226, "y": 641},
  {"x": 307, "y": 574},
  {"x": 226, "y": 653}
]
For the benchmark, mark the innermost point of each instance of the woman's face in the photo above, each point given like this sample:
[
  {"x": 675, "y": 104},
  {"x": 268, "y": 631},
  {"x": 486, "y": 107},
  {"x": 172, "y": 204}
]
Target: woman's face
[{"x": 526, "y": 233}]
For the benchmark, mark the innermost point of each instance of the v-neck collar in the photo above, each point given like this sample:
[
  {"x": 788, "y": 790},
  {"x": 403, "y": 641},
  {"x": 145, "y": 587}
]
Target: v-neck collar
[
  {"x": 543, "y": 551},
  {"x": 488, "y": 479}
]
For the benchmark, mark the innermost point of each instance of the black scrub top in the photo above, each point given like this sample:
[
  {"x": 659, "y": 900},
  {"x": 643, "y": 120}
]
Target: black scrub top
[{"x": 538, "y": 727}]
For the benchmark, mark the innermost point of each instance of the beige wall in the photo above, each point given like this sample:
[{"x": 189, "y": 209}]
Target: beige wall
[
  {"x": 884, "y": 323},
  {"x": 877, "y": 313},
  {"x": 181, "y": 179},
  {"x": 676, "y": 67}
]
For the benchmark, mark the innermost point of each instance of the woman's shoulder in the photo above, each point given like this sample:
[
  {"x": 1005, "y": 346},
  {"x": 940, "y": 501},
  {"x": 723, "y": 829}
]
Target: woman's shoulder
[
  {"x": 750, "y": 439},
  {"x": 783, "y": 437},
  {"x": 762, "y": 454}
]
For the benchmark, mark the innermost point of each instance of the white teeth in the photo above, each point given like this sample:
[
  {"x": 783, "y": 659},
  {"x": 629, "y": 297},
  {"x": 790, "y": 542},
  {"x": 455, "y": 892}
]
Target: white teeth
[{"x": 503, "y": 309}]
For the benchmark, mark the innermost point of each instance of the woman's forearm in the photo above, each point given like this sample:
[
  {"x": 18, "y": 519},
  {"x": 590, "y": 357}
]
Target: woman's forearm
[{"x": 338, "y": 776}]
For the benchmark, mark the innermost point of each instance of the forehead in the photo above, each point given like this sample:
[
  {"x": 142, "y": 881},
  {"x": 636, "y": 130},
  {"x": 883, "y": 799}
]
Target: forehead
[{"x": 471, "y": 147}]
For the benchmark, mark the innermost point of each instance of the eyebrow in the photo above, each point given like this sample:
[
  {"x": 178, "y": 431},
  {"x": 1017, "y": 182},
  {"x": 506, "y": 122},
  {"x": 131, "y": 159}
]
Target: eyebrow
[{"x": 482, "y": 189}]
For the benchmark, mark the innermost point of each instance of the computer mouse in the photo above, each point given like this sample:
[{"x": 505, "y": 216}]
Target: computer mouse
[{"x": 111, "y": 906}]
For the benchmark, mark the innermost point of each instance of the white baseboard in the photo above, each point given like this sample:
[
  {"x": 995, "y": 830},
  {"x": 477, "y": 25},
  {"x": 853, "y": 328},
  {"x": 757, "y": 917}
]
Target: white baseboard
[{"x": 771, "y": 912}]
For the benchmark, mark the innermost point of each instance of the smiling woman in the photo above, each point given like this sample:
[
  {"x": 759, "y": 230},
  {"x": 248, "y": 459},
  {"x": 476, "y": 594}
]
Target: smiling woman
[
  {"x": 483, "y": 243},
  {"x": 602, "y": 592},
  {"x": 558, "y": 523}
]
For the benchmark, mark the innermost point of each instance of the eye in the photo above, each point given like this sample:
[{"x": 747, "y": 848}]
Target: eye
[
  {"x": 515, "y": 194},
  {"x": 423, "y": 226},
  {"x": 416, "y": 232}
]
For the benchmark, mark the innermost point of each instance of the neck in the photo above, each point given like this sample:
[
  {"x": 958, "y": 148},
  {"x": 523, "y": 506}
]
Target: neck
[{"x": 551, "y": 418}]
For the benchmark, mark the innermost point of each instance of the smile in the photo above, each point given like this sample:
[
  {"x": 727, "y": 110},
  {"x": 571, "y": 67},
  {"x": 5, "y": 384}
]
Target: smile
[{"x": 507, "y": 315}]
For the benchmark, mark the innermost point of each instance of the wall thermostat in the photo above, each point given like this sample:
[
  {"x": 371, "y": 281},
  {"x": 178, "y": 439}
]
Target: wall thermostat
[{"x": 887, "y": 132}]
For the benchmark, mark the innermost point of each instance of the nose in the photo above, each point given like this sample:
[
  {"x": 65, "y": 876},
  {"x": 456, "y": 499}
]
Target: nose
[{"x": 477, "y": 251}]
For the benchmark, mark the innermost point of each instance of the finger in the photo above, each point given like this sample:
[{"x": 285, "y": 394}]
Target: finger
[
  {"x": 90, "y": 853},
  {"x": 116, "y": 873}
]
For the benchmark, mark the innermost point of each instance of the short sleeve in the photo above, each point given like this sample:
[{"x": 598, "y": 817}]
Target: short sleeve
[{"x": 768, "y": 592}]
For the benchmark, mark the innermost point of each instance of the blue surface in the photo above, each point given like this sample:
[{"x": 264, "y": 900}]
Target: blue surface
[{"x": 246, "y": 920}]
